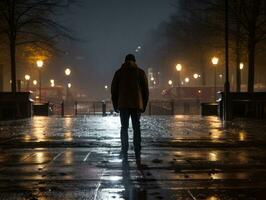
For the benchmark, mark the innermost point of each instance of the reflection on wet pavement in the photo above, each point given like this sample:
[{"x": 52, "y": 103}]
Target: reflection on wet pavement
[{"x": 183, "y": 157}]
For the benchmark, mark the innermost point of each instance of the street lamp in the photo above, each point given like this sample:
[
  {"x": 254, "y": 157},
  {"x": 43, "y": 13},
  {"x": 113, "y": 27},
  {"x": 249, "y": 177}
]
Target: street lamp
[
  {"x": 35, "y": 82},
  {"x": 178, "y": 69},
  {"x": 196, "y": 76},
  {"x": 40, "y": 65},
  {"x": 170, "y": 82},
  {"x": 215, "y": 62},
  {"x": 52, "y": 82},
  {"x": 27, "y": 78},
  {"x": 241, "y": 67},
  {"x": 67, "y": 72}
]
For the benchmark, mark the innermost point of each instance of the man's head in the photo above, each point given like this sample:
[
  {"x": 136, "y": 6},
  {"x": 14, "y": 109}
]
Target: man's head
[{"x": 130, "y": 58}]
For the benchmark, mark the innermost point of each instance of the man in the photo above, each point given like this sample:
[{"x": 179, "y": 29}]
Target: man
[{"x": 130, "y": 94}]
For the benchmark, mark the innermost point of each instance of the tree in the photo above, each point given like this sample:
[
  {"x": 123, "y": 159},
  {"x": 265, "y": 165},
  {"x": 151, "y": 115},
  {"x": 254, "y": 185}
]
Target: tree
[
  {"x": 197, "y": 28},
  {"x": 252, "y": 17},
  {"x": 30, "y": 22}
]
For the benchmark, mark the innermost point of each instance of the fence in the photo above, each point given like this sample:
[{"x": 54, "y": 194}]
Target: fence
[
  {"x": 159, "y": 107},
  {"x": 182, "y": 107}
]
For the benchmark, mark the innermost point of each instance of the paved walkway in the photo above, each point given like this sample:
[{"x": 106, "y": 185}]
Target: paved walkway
[{"x": 184, "y": 157}]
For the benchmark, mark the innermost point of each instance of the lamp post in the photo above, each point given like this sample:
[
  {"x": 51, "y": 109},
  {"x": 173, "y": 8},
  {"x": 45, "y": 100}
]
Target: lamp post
[
  {"x": 35, "y": 82},
  {"x": 241, "y": 67},
  {"x": 106, "y": 91},
  {"x": 27, "y": 78},
  {"x": 40, "y": 65},
  {"x": 226, "y": 107},
  {"x": 215, "y": 62},
  {"x": 196, "y": 76},
  {"x": 68, "y": 73},
  {"x": 178, "y": 69}
]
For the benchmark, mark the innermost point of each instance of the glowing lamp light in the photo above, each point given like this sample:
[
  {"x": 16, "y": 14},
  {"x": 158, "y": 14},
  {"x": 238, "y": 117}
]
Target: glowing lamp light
[
  {"x": 152, "y": 78},
  {"x": 170, "y": 82},
  {"x": 52, "y": 81},
  {"x": 67, "y": 71},
  {"x": 215, "y": 60},
  {"x": 69, "y": 85},
  {"x": 179, "y": 67},
  {"x": 241, "y": 66},
  {"x": 27, "y": 77},
  {"x": 106, "y": 87},
  {"x": 187, "y": 80},
  {"x": 35, "y": 82},
  {"x": 39, "y": 63},
  {"x": 196, "y": 76}
]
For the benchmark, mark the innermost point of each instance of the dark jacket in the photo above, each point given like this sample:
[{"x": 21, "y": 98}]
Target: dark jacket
[{"x": 130, "y": 88}]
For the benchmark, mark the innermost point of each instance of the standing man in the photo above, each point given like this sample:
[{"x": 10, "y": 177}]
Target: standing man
[{"x": 130, "y": 94}]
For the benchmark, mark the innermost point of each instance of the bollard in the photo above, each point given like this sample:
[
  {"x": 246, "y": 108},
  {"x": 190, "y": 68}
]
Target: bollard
[
  {"x": 94, "y": 108},
  {"x": 150, "y": 108},
  {"x": 173, "y": 108},
  {"x": 104, "y": 108},
  {"x": 62, "y": 109},
  {"x": 76, "y": 108}
]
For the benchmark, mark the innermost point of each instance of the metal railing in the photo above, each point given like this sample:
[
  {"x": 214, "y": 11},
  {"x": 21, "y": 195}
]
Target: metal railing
[{"x": 155, "y": 107}]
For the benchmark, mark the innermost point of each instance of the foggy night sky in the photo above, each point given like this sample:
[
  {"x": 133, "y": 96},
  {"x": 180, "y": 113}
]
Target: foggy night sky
[{"x": 109, "y": 29}]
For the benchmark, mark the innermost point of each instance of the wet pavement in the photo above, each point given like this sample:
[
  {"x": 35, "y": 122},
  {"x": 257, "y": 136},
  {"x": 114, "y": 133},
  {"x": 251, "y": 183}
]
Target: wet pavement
[{"x": 183, "y": 157}]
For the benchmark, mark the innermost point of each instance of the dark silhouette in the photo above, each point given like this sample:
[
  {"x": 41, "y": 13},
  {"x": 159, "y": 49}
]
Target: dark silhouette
[
  {"x": 130, "y": 93},
  {"x": 132, "y": 192}
]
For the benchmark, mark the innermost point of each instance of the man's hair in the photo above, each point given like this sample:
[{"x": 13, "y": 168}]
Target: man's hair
[{"x": 130, "y": 57}]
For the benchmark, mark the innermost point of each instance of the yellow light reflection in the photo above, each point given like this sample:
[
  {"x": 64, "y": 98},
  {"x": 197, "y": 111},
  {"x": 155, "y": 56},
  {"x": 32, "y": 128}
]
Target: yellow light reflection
[
  {"x": 68, "y": 157},
  {"x": 215, "y": 134},
  {"x": 217, "y": 176},
  {"x": 39, "y": 158},
  {"x": 68, "y": 122},
  {"x": 179, "y": 116},
  {"x": 242, "y": 136},
  {"x": 39, "y": 124},
  {"x": 68, "y": 136},
  {"x": 213, "y": 198},
  {"x": 213, "y": 156},
  {"x": 27, "y": 138}
]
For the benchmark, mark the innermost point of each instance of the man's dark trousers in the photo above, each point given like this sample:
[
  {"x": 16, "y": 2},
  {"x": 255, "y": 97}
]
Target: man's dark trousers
[{"x": 135, "y": 114}]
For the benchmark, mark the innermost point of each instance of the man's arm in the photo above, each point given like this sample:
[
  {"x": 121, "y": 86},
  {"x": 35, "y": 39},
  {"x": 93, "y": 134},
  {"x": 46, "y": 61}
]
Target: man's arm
[
  {"x": 144, "y": 90},
  {"x": 114, "y": 91}
]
